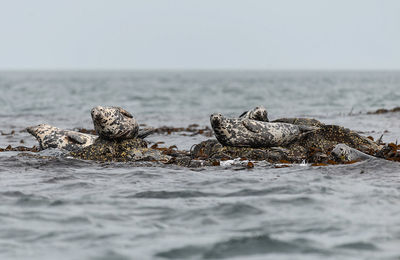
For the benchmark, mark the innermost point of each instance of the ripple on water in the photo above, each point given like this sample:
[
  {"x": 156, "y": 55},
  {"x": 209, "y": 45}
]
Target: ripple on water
[
  {"x": 32, "y": 200},
  {"x": 170, "y": 194},
  {"x": 58, "y": 179},
  {"x": 221, "y": 212},
  {"x": 110, "y": 255},
  {"x": 358, "y": 246},
  {"x": 284, "y": 189},
  {"x": 12, "y": 193},
  {"x": 235, "y": 210},
  {"x": 298, "y": 200},
  {"x": 77, "y": 185},
  {"x": 244, "y": 246}
]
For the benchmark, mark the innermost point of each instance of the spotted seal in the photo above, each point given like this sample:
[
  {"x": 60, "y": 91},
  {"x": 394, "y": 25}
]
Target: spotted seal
[
  {"x": 345, "y": 153},
  {"x": 258, "y": 113},
  {"x": 114, "y": 123},
  {"x": 244, "y": 132},
  {"x": 53, "y": 137}
]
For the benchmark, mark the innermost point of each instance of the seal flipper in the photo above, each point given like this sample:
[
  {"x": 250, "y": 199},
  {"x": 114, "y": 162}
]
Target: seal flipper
[
  {"x": 125, "y": 113},
  {"x": 143, "y": 133},
  {"x": 243, "y": 114},
  {"x": 76, "y": 138},
  {"x": 252, "y": 127}
]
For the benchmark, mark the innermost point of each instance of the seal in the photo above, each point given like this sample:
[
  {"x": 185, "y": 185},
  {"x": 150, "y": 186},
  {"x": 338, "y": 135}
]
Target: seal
[
  {"x": 258, "y": 113},
  {"x": 252, "y": 133},
  {"x": 345, "y": 153},
  {"x": 114, "y": 123},
  {"x": 52, "y": 137}
]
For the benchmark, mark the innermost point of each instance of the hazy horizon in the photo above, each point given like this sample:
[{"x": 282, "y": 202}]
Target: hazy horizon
[
  {"x": 190, "y": 70},
  {"x": 185, "y": 35}
]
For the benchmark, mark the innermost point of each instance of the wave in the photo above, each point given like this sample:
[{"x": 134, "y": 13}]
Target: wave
[{"x": 244, "y": 246}]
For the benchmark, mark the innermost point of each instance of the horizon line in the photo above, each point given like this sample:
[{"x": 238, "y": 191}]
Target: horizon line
[{"x": 196, "y": 69}]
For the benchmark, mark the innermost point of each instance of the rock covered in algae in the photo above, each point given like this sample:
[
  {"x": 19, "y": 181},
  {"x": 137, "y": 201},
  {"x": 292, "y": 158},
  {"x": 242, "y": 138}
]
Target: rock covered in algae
[
  {"x": 390, "y": 152},
  {"x": 314, "y": 147},
  {"x": 384, "y": 111},
  {"x": 211, "y": 149},
  {"x": 317, "y": 145},
  {"x": 120, "y": 151}
]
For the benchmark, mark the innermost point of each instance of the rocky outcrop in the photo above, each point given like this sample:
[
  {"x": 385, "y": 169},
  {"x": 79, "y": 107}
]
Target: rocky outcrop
[
  {"x": 314, "y": 147},
  {"x": 384, "y": 111},
  {"x": 120, "y": 151}
]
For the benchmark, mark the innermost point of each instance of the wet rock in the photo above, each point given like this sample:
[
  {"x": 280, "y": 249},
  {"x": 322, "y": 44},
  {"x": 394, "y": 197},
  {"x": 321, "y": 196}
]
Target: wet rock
[
  {"x": 112, "y": 150},
  {"x": 37, "y": 156},
  {"x": 390, "y": 152},
  {"x": 210, "y": 150},
  {"x": 20, "y": 149},
  {"x": 319, "y": 157},
  {"x": 384, "y": 111},
  {"x": 328, "y": 136},
  {"x": 147, "y": 154},
  {"x": 186, "y": 161}
]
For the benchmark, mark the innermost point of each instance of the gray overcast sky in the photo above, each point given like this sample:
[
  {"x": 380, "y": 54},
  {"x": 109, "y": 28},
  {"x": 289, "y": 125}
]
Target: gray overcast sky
[{"x": 203, "y": 34}]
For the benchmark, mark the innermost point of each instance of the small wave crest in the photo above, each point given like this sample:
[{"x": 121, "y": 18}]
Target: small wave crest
[
  {"x": 170, "y": 194},
  {"x": 243, "y": 246}
]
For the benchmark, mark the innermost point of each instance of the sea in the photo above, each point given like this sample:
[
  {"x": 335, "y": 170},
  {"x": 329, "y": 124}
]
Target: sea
[{"x": 61, "y": 208}]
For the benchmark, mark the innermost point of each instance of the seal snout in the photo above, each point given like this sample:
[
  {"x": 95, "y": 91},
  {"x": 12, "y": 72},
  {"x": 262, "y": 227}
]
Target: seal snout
[
  {"x": 216, "y": 119},
  {"x": 32, "y": 130},
  {"x": 97, "y": 112},
  {"x": 261, "y": 113},
  {"x": 341, "y": 151}
]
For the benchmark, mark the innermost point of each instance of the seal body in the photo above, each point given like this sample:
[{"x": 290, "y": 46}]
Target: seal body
[
  {"x": 114, "y": 123},
  {"x": 299, "y": 121},
  {"x": 345, "y": 153},
  {"x": 252, "y": 133},
  {"x": 258, "y": 113},
  {"x": 52, "y": 137}
]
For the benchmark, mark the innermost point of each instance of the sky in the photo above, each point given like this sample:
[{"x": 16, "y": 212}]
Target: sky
[{"x": 202, "y": 34}]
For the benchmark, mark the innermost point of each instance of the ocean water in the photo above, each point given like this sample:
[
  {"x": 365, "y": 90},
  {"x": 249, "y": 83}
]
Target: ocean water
[{"x": 71, "y": 209}]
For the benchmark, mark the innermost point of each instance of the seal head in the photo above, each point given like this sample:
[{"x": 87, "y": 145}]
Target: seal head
[
  {"x": 220, "y": 128},
  {"x": 345, "y": 153},
  {"x": 258, "y": 113},
  {"x": 114, "y": 123},
  {"x": 52, "y": 137}
]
